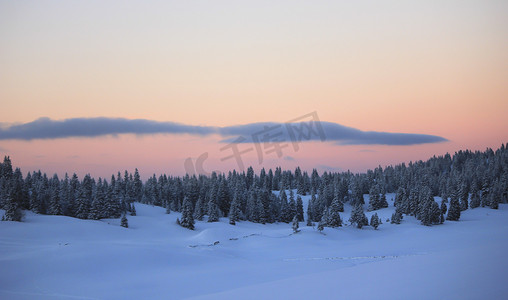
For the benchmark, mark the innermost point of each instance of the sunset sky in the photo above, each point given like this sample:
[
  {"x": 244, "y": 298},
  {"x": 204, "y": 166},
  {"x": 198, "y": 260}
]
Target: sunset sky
[{"x": 436, "y": 68}]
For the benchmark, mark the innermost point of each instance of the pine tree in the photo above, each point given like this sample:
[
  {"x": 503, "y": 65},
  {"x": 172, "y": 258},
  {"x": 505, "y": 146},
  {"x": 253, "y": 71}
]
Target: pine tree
[
  {"x": 213, "y": 211},
  {"x": 463, "y": 196},
  {"x": 309, "y": 212},
  {"x": 234, "y": 212},
  {"x": 396, "y": 217},
  {"x": 187, "y": 219},
  {"x": 334, "y": 219},
  {"x": 382, "y": 202},
  {"x": 292, "y": 205},
  {"x": 13, "y": 211},
  {"x": 475, "y": 196},
  {"x": 83, "y": 205},
  {"x": 199, "y": 209},
  {"x": 295, "y": 225},
  {"x": 358, "y": 216},
  {"x": 321, "y": 224},
  {"x": 299, "y": 208},
  {"x": 124, "y": 222},
  {"x": 454, "y": 210},
  {"x": 374, "y": 221},
  {"x": 133, "y": 210},
  {"x": 309, "y": 222},
  {"x": 434, "y": 213},
  {"x": 373, "y": 199},
  {"x": 444, "y": 208}
]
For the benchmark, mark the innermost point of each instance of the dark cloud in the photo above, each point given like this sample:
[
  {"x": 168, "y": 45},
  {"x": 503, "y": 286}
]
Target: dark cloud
[
  {"x": 45, "y": 128},
  {"x": 340, "y": 134}
]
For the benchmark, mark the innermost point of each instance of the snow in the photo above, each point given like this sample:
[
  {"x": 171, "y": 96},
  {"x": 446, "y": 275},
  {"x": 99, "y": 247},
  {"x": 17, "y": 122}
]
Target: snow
[{"x": 55, "y": 257}]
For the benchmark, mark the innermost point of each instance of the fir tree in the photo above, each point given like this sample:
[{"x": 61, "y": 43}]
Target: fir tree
[
  {"x": 133, "y": 210},
  {"x": 295, "y": 225},
  {"x": 213, "y": 211},
  {"x": 321, "y": 224},
  {"x": 299, "y": 208},
  {"x": 382, "y": 201},
  {"x": 334, "y": 219},
  {"x": 187, "y": 220},
  {"x": 13, "y": 211},
  {"x": 358, "y": 216},
  {"x": 374, "y": 221},
  {"x": 475, "y": 196},
  {"x": 234, "y": 212},
  {"x": 434, "y": 213},
  {"x": 444, "y": 208},
  {"x": 199, "y": 209},
  {"x": 396, "y": 217},
  {"x": 309, "y": 222},
  {"x": 454, "y": 210},
  {"x": 373, "y": 199},
  {"x": 124, "y": 222},
  {"x": 464, "y": 195}
]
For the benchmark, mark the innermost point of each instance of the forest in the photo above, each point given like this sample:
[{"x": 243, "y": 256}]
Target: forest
[{"x": 466, "y": 180}]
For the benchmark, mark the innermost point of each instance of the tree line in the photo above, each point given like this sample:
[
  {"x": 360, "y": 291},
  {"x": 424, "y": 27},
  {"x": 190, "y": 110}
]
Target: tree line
[{"x": 466, "y": 180}]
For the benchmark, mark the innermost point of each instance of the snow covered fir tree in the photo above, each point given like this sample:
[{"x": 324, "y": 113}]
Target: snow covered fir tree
[{"x": 466, "y": 180}]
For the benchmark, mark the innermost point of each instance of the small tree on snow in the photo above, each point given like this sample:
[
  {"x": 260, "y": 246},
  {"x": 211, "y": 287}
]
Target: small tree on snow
[
  {"x": 374, "y": 221},
  {"x": 321, "y": 226},
  {"x": 295, "y": 224},
  {"x": 396, "y": 217},
  {"x": 124, "y": 222},
  {"x": 358, "y": 216},
  {"x": 133, "y": 210}
]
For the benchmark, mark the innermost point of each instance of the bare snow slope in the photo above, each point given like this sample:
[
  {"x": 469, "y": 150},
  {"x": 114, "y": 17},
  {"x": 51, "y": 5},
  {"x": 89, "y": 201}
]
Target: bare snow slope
[{"x": 54, "y": 257}]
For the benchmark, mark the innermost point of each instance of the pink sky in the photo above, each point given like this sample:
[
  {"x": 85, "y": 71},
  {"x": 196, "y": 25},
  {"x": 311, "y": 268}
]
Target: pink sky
[{"x": 438, "y": 68}]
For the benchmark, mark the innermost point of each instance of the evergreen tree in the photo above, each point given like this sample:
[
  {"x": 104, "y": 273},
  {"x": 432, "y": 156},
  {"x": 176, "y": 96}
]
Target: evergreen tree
[
  {"x": 434, "y": 213},
  {"x": 374, "y": 203},
  {"x": 213, "y": 211},
  {"x": 334, "y": 219},
  {"x": 295, "y": 225},
  {"x": 234, "y": 212},
  {"x": 309, "y": 222},
  {"x": 199, "y": 209},
  {"x": 454, "y": 210},
  {"x": 396, "y": 217},
  {"x": 13, "y": 209},
  {"x": 299, "y": 208},
  {"x": 444, "y": 208},
  {"x": 124, "y": 222},
  {"x": 463, "y": 196},
  {"x": 358, "y": 216},
  {"x": 382, "y": 201},
  {"x": 292, "y": 205},
  {"x": 309, "y": 212},
  {"x": 187, "y": 220},
  {"x": 475, "y": 196},
  {"x": 374, "y": 221},
  {"x": 83, "y": 205},
  {"x": 133, "y": 210},
  {"x": 322, "y": 223}
]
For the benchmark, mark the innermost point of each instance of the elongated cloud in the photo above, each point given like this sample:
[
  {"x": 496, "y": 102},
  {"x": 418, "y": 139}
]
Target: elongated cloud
[{"x": 45, "y": 128}]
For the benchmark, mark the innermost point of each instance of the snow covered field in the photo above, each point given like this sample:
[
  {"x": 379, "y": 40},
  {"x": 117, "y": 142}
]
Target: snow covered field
[{"x": 55, "y": 257}]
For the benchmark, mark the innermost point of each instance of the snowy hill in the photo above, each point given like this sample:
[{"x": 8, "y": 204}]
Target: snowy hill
[{"x": 55, "y": 257}]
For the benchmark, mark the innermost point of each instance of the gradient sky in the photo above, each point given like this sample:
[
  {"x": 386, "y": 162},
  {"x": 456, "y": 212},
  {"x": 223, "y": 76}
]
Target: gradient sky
[{"x": 425, "y": 67}]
